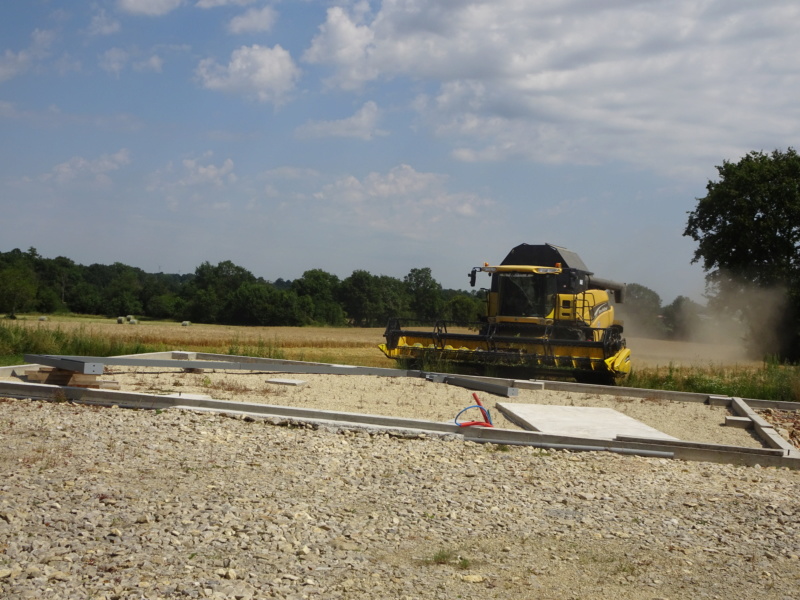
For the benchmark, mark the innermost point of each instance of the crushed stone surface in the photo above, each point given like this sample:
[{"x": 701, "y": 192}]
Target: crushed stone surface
[
  {"x": 109, "y": 503},
  {"x": 422, "y": 399}
]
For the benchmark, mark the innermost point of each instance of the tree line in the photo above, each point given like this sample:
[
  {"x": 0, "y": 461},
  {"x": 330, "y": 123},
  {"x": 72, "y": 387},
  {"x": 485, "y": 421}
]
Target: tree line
[
  {"x": 225, "y": 293},
  {"x": 229, "y": 294}
]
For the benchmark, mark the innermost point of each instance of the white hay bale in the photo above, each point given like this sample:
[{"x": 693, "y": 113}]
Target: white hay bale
[
  {"x": 120, "y": 319},
  {"x": 133, "y": 322},
  {"x": 43, "y": 318},
  {"x": 185, "y": 324}
]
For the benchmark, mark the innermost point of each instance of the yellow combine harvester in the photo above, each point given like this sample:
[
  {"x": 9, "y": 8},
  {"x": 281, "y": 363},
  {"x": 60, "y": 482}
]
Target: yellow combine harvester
[{"x": 547, "y": 314}]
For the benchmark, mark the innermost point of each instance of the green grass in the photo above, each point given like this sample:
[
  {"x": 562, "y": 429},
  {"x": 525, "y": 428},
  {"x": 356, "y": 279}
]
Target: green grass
[
  {"x": 15, "y": 341},
  {"x": 261, "y": 349},
  {"x": 772, "y": 381},
  {"x": 447, "y": 556},
  {"x": 443, "y": 556}
]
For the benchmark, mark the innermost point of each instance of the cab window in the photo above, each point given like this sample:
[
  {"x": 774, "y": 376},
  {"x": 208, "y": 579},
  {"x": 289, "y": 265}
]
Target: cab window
[{"x": 523, "y": 295}]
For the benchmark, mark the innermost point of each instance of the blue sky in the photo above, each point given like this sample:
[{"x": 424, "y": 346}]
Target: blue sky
[{"x": 291, "y": 135}]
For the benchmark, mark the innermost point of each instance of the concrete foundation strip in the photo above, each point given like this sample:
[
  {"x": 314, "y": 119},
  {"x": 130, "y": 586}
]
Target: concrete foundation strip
[
  {"x": 748, "y": 419},
  {"x": 642, "y": 447},
  {"x": 94, "y": 365},
  {"x": 740, "y": 422},
  {"x": 781, "y": 452},
  {"x": 764, "y": 429},
  {"x": 482, "y": 386}
]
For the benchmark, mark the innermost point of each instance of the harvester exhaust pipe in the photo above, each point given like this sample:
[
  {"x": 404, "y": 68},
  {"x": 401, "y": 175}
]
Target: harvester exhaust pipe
[{"x": 596, "y": 283}]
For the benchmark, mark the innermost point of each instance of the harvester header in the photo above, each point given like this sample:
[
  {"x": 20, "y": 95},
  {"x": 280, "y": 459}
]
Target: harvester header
[{"x": 546, "y": 313}]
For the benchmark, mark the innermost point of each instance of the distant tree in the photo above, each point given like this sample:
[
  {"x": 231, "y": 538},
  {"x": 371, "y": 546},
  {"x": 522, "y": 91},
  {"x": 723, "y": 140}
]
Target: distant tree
[
  {"x": 282, "y": 284},
  {"x": 12, "y": 258},
  {"x": 159, "y": 295},
  {"x": 164, "y": 306},
  {"x": 21, "y": 288},
  {"x": 121, "y": 294},
  {"x": 47, "y": 300},
  {"x": 464, "y": 308},
  {"x": 425, "y": 294},
  {"x": 223, "y": 278},
  {"x": 394, "y": 299},
  {"x": 320, "y": 289},
  {"x": 121, "y": 302},
  {"x": 63, "y": 273},
  {"x": 747, "y": 227},
  {"x": 202, "y": 306},
  {"x": 258, "y": 303},
  {"x": 207, "y": 297},
  {"x": 642, "y": 311},
  {"x": 683, "y": 319},
  {"x": 360, "y": 297},
  {"x": 85, "y": 298},
  {"x": 17, "y": 288}
]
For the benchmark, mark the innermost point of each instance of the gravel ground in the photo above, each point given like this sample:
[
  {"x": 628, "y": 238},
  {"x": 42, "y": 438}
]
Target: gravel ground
[
  {"x": 421, "y": 399},
  {"x": 110, "y": 503}
]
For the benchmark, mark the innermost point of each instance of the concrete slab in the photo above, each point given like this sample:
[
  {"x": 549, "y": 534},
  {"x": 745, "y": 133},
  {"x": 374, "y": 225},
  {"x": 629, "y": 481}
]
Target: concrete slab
[
  {"x": 482, "y": 386},
  {"x": 578, "y": 421},
  {"x": 294, "y": 382},
  {"x": 741, "y": 422}
]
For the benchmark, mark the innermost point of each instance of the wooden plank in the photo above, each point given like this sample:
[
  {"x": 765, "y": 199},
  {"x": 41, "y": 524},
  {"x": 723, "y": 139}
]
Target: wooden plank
[{"x": 54, "y": 376}]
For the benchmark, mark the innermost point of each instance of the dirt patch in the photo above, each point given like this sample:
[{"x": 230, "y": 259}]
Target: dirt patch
[{"x": 647, "y": 352}]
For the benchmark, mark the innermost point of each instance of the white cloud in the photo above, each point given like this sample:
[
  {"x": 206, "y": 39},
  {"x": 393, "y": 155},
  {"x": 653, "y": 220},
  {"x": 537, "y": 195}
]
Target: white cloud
[
  {"x": 15, "y": 63},
  {"x": 216, "y": 3},
  {"x": 194, "y": 182},
  {"x": 403, "y": 195},
  {"x": 92, "y": 171},
  {"x": 290, "y": 173},
  {"x": 53, "y": 117},
  {"x": 114, "y": 60},
  {"x": 154, "y": 63},
  {"x": 254, "y": 20},
  {"x": 150, "y": 8},
  {"x": 348, "y": 45},
  {"x": 66, "y": 64},
  {"x": 583, "y": 82},
  {"x": 198, "y": 173},
  {"x": 102, "y": 24},
  {"x": 8, "y": 110},
  {"x": 266, "y": 74},
  {"x": 362, "y": 125}
]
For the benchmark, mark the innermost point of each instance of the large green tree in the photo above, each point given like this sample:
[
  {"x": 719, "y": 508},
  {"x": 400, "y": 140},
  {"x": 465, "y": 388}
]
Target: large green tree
[
  {"x": 17, "y": 288},
  {"x": 321, "y": 289},
  {"x": 360, "y": 297},
  {"x": 425, "y": 293},
  {"x": 747, "y": 227}
]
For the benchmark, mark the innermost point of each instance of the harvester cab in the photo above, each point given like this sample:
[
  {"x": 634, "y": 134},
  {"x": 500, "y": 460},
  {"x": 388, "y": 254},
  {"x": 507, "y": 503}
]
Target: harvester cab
[{"x": 546, "y": 314}]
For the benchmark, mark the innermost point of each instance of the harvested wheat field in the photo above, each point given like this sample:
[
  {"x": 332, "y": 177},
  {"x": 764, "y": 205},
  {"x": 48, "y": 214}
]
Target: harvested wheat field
[
  {"x": 346, "y": 345},
  {"x": 112, "y": 503}
]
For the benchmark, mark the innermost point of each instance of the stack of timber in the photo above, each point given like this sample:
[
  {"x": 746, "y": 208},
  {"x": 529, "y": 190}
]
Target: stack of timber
[{"x": 53, "y": 376}]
